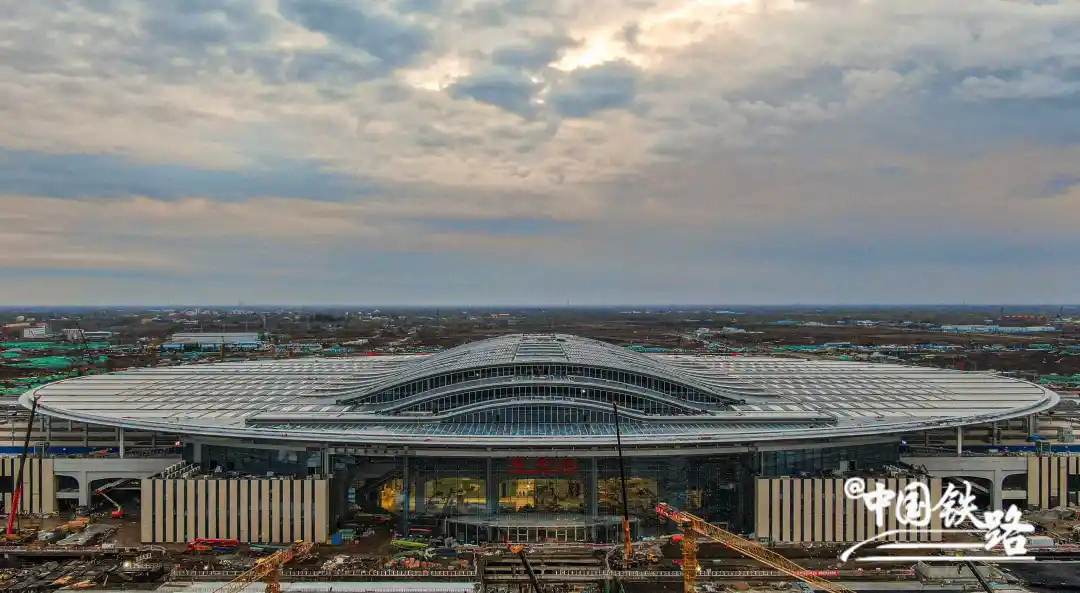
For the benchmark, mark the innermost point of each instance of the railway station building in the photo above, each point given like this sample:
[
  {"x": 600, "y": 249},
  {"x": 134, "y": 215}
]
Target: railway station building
[{"x": 514, "y": 439}]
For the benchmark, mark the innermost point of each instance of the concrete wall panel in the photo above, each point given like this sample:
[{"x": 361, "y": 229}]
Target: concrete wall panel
[
  {"x": 792, "y": 510},
  {"x": 251, "y": 510}
]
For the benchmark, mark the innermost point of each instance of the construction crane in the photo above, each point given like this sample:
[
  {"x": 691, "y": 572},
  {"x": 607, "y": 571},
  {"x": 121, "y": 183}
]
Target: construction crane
[
  {"x": 693, "y": 526},
  {"x": 520, "y": 551},
  {"x": 268, "y": 569},
  {"x": 16, "y": 494}
]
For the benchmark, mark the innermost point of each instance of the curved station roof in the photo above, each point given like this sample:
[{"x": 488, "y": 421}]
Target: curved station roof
[{"x": 539, "y": 391}]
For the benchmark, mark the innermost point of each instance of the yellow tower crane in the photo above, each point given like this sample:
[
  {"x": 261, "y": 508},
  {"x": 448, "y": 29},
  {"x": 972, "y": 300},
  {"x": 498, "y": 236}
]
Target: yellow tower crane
[
  {"x": 693, "y": 526},
  {"x": 268, "y": 569}
]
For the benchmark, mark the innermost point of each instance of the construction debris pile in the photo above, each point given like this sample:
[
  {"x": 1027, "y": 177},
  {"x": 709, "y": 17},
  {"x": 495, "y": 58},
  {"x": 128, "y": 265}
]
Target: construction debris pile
[
  {"x": 1061, "y": 524},
  {"x": 88, "y": 536},
  {"x": 415, "y": 554},
  {"x": 73, "y": 575}
]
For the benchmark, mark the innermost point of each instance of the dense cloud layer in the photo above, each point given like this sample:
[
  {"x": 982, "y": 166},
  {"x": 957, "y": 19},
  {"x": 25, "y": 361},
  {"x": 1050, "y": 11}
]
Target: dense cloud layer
[{"x": 515, "y": 151}]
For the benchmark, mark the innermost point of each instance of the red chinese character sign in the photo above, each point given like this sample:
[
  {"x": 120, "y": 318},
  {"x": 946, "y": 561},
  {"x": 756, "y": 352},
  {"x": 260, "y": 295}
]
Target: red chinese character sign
[{"x": 547, "y": 467}]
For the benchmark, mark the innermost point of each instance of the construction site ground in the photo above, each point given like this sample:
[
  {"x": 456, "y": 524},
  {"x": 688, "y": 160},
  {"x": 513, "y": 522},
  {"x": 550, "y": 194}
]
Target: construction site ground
[
  {"x": 120, "y": 559},
  {"x": 369, "y": 561}
]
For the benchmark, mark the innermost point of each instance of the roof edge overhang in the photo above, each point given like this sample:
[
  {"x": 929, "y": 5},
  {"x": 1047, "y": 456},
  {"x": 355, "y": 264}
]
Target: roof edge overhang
[{"x": 884, "y": 429}]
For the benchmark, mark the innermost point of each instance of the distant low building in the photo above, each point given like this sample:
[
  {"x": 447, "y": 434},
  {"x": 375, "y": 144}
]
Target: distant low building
[
  {"x": 215, "y": 337},
  {"x": 838, "y": 346},
  {"x": 14, "y": 329},
  {"x": 37, "y": 332},
  {"x": 997, "y": 329},
  {"x": 79, "y": 335},
  {"x": 214, "y": 341}
]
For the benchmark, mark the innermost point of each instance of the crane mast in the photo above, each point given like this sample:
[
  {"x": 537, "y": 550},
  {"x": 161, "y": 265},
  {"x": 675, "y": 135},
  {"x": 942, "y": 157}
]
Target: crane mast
[
  {"x": 520, "y": 551},
  {"x": 628, "y": 547},
  {"x": 692, "y": 524},
  {"x": 17, "y": 492}
]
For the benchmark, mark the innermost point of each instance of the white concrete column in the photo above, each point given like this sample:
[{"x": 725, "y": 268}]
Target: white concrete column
[
  {"x": 84, "y": 490},
  {"x": 121, "y": 439},
  {"x": 959, "y": 441},
  {"x": 997, "y": 500}
]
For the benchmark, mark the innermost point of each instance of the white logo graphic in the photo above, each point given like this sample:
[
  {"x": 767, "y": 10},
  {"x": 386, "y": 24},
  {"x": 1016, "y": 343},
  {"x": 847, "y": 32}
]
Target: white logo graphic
[{"x": 914, "y": 511}]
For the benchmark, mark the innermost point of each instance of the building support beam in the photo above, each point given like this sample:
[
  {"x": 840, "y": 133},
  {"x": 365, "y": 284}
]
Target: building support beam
[
  {"x": 959, "y": 441},
  {"x": 120, "y": 437}
]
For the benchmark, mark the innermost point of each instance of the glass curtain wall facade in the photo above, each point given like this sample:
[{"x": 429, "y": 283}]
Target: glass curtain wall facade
[
  {"x": 796, "y": 462},
  {"x": 260, "y": 462},
  {"x": 567, "y": 491},
  {"x": 581, "y": 495}
]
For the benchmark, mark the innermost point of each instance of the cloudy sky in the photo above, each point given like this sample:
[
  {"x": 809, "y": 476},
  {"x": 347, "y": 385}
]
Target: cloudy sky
[{"x": 515, "y": 151}]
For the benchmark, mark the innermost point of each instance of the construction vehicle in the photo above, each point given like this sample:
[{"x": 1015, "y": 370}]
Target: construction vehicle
[
  {"x": 407, "y": 545},
  {"x": 519, "y": 549},
  {"x": 118, "y": 511},
  {"x": 211, "y": 544},
  {"x": 694, "y": 527},
  {"x": 268, "y": 569},
  {"x": 75, "y": 525}
]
